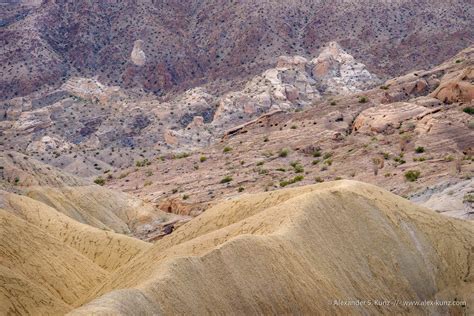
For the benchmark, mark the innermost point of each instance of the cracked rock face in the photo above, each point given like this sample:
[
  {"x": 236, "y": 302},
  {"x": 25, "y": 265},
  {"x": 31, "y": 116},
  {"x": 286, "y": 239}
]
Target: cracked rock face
[
  {"x": 295, "y": 83},
  {"x": 449, "y": 198},
  {"x": 339, "y": 72},
  {"x": 387, "y": 118}
]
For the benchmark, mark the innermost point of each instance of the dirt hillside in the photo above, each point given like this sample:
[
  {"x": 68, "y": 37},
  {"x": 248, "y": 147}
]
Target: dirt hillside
[{"x": 296, "y": 251}]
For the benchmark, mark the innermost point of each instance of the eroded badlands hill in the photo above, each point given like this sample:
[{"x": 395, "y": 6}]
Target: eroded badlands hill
[
  {"x": 60, "y": 236},
  {"x": 26, "y": 183},
  {"x": 295, "y": 251},
  {"x": 289, "y": 251}
]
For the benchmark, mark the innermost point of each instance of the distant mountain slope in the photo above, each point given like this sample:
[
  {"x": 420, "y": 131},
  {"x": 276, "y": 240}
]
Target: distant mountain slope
[
  {"x": 160, "y": 45},
  {"x": 296, "y": 251}
]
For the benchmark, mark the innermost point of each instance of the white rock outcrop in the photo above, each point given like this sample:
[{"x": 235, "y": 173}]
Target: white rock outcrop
[
  {"x": 338, "y": 72},
  {"x": 138, "y": 56}
]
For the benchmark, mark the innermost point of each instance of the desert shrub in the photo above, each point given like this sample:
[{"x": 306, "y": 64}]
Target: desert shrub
[
  {"x": 297, "y": 167},
  {"x": 267, "y": 154},
  {"x": 469, "y": 198},
  {"x": 363, "y": 99},
  {"x": 291, "y": 181},
  {"x": 327, "y": 155},
  {"x": 420, "y": 149},
  {"x": 448, "y": 158},
  {"x": 412, "y": 175},
  {"x": 202, "y": 158},
  {"x": 241, "y": 189},
  {"x": 123, "y": 175},
  {"x": 142, "y": 163},
  {"x": 226, "y": 179},
  {"x": 469, "y": 110},
  {"x": 181, "y": 155},
  {"x": 227, "y": 149},
  {"x": 99, "y": 181},
  {"x": 283, "y": 153},
  {"x": 400, "y": 160},
  {"x": 148, "y": 173}
]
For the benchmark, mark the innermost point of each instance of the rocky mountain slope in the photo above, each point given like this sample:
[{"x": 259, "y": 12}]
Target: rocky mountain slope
[
  {"x": 86, "y": 128},
  {"x": 162, "y": 45},
  {"x": 285, "y": 252},
  {"x": 293, "y": 124},
  {"x": 410, "y": 133}
]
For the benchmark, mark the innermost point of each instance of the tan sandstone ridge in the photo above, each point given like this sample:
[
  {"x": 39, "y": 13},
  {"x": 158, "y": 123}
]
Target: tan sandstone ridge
[
  {"x": 60, "y": 242},
  {"x": 75, "y": 199},
  {"x": 39, "y": 273},
  {"x": 296, "y": 251}
]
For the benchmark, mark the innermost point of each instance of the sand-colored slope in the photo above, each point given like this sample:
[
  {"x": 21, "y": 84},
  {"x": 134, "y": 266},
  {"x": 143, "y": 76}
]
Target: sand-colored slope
[
  {"x": 78, "y": 199},
  {"x": 19, "y": 296},
  {"x": 39, "y": 273},
  {"x": 107, "y": 249},
  {"x": 295, "y": 251},
  {"x": 97, "y": 206}
]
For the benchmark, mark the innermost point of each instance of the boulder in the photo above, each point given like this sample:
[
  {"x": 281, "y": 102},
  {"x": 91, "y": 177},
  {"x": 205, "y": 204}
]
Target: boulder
[
  {"x": 138, "y": 56},
  {"x": 456, "y": 87},
  {"x": 388, "y": 117}
]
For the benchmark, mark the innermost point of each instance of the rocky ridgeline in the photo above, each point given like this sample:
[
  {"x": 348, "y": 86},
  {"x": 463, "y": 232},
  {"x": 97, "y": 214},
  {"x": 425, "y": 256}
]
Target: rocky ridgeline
[
  {"x": 294, "y": 84},
  {"x": 88, "y": 128},
  {"x": 408, "y": 134},
  {"x": 85, "y": 114}
]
